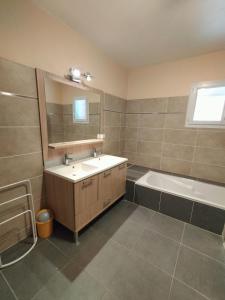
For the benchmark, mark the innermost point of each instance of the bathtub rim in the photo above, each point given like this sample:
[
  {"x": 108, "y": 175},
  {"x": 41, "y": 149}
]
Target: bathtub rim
[{"x": 196, "y": 199}]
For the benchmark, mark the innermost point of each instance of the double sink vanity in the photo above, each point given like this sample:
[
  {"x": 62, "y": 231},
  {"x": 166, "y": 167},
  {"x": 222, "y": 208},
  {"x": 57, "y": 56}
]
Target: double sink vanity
[
  {"x": 79, "y": 192},
  {"x": 72, "y": 121}
]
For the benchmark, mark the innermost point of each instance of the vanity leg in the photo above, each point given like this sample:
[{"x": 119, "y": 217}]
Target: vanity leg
[{"x": 76, "y": 238}]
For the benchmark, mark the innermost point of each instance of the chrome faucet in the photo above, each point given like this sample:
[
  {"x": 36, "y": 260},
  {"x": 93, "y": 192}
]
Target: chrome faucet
[
  {"x": 95, "y": 153},
  {"x": 67, "y": 159}
]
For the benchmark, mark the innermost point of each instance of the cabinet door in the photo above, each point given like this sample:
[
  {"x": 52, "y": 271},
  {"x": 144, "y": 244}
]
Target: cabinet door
[
  {"x": 86, "y": 199},
  {"x": 106, "y": 187},
  {"x": 120, "y": 173}
]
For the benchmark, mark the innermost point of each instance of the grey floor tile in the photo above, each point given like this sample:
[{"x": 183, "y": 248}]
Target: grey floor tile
[
  {"x": 28, "y": 276},
  {"x": 18, "y": 249},
  {"x": 202, "y": 273},
  {"x": 64, "y": 287},
  {"x": 107, "y": 262},
  {"x": 142, "y": 216},
  {"x": 135, "y": 279},
  {"x": 90, "y": 240},
  {"x": 170, "y": 227},
  {"x": 109, "y": 296},
  {"x": 182, "y": 292},
  {"x": 204, "y": 241},
  {"x": 128, "y": 234},
  {"x": 158, "y": 250},
  {"x": 113, "y": 219},
  {"x": 5, "y": 292}
]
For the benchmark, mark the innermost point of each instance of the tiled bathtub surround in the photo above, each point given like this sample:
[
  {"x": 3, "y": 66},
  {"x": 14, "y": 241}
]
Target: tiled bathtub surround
[
  {"x": 20, "y": 151},
  {"x": 155, "y": 136},
  {"x": 201, "y": 215}
]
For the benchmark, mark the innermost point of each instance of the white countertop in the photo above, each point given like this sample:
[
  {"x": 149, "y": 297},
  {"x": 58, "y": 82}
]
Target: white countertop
[{"x": 81, "y": 170}]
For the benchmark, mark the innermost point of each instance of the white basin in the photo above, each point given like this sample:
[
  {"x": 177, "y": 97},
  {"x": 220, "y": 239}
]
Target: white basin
[
  {"x": 103, "y": 161},
  {"x": 84, "y": 169}
]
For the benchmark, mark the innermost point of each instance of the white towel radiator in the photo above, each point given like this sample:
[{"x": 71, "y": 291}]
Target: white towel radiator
[{"x": 29, "y": 211}]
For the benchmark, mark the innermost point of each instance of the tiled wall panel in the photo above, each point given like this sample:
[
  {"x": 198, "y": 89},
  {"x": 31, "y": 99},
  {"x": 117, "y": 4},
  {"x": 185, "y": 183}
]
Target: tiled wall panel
[
  {"x": 20, "y": 150},
  {"x": 155, "y": 136},
  {"x": 114, "y": 121}
]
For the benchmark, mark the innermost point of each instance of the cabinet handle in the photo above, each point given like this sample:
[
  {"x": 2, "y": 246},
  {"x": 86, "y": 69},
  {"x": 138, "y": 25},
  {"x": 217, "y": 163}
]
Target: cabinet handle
[
  {"x": 107, "y": 173},
  {"x": 106, "y": 203},
  {"x": 86, "y": 183},
  {"x": 122, "y": 166}
]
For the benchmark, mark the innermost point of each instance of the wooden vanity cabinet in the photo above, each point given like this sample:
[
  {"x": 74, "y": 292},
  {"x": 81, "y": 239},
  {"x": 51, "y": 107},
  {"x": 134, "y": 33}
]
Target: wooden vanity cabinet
[
  {"x": 76, "y": 204},
  {"x": 112, "y": 185},
  {"x": 87, "y": 204}
]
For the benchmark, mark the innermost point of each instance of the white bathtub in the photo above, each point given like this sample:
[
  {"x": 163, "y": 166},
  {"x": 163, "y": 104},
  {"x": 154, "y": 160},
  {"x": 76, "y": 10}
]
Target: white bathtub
[{"x": 194, "y": 190}]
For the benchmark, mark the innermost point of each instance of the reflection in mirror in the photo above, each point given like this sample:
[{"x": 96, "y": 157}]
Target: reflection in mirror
[{"x": 72, "y": 113}]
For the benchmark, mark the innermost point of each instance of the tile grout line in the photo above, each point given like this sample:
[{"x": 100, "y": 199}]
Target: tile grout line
[
  {"x": 178, "y": 254},
  {"x": 181, "y": 241},
  {"x": 56, "y": 247},
  {"x": 18, "y": 155},
  {"x": 19, "y": 126},
  {"x": 203, "y": 254},
  {"x": 192, "y": 209},
  {"x": 9, "y": 286},
  {"x": 190, "y": 287}
]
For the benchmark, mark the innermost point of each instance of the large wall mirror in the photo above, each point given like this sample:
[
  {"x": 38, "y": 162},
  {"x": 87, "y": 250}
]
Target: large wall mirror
[{"x": 70, "y": 111}]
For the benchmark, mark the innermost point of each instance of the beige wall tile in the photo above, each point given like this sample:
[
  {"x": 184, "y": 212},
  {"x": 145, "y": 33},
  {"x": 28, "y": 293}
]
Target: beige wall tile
[
  {"x": 211, "y": 139},
  {"x": 178, "y": 151},
  {"x": 130, "y": 146},
  {"x": 175, "y": 166},
  {"x": 153, "y": 105},
  {"x": 148, "y": 161},
  {"x": 112, "y": 133},
  {"x": 150, "y": 148},
  {"x": 133, "y": 106},
  {"x": 210, "y": 156},
  {"x": 114, "y": 103},
  {"x": 151, "y": 120},
  {"x": 214, "y": 173},
  {"x": 149, "y": 134},
  {"x": 177, "y": 104},
  {"x": 176, "y": 120},
  {"x": 18, "y": 111},
  {"x": 112, "y": 118},
  {"x": 112, "y": 147},
  {"x": 17, "y": 168},
  {"x": 184, "y": 137},
  {"x": 131, "y": 156},
  {"x": 131, "y": 133},
  {"x": 131, "y": 120},
  {"x": 18, "y": 79},
  {"x": 19, "y": 140}
]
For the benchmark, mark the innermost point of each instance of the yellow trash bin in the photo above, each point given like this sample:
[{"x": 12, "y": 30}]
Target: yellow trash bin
[{"x": 44, "y": 221}]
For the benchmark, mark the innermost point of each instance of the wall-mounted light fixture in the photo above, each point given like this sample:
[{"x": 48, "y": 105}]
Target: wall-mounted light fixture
[{"x": 76, "y": 75}]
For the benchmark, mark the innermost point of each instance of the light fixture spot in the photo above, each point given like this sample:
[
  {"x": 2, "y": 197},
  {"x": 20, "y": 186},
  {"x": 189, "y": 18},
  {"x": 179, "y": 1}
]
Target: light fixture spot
[{"x": 75, "y": 74}]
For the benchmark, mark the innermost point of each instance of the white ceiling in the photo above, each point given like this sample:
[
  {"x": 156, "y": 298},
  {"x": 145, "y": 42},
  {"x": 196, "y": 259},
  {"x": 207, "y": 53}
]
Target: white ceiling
[{"x": 142, "y": 32}]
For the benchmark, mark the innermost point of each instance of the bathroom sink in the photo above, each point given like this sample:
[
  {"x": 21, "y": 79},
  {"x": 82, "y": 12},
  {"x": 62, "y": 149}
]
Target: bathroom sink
[
  {"x": 105, "y": 161},
  {"x": 75, "y": 170},
  {"x": 86, "y": 168}
]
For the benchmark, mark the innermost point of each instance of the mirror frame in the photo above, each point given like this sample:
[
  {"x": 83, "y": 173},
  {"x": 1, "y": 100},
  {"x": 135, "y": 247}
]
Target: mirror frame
[{"x": 40, "y": 75}]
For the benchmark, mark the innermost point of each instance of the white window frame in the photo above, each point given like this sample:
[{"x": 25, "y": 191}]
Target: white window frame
[
  {"x": 86, "y": 121},
  {"x": 192, "y": 103}
]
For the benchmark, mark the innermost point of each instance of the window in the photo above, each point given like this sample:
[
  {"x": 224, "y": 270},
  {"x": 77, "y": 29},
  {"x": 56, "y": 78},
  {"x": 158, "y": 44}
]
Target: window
[
  {"x": 206, "y": 107},
  {"x": 80, "y": 110}
]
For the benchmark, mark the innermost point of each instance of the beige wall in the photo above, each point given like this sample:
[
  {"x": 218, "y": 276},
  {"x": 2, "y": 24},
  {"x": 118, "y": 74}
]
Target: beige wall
[
  {"x": 175, "y": 78},
  {"x": 32, "y": 37}
]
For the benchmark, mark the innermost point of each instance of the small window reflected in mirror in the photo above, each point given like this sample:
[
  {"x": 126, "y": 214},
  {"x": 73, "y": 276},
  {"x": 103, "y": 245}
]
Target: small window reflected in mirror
[{"x": 80, "y": 110}]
